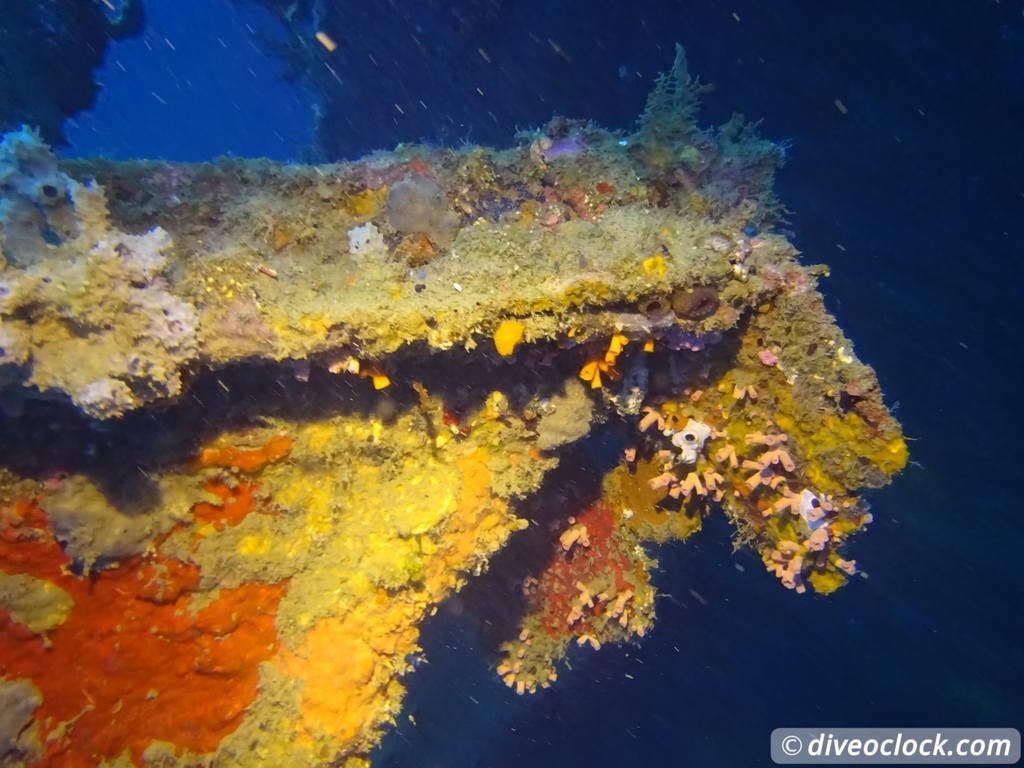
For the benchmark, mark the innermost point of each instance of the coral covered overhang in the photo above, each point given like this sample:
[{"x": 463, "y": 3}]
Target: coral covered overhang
[{"x": 260, "y": 419}]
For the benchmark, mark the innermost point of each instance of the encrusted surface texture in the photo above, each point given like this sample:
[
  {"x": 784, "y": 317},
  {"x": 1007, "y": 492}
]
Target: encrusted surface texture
[{"x": 303, "y": 405}]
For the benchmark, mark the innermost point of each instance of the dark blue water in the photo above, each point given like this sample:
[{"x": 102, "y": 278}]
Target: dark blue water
[{"x": 914, "y": 196}]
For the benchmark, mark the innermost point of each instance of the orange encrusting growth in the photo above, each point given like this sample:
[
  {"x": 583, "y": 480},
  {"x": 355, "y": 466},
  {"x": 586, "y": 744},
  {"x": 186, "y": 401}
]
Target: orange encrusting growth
[
  {"x": 25, "y": 546},
  {"x": 507, "y": 336},
  {"x": 478, "y": 516},
  {"x": 418, "y": 166},
  {"x": 347, "y": 663},
  {"x": 132, "y": 664},
  {"x": 350, "y": 662},
  {"x": 248, "y": 461},
  {"x": 238, "y": 502}
]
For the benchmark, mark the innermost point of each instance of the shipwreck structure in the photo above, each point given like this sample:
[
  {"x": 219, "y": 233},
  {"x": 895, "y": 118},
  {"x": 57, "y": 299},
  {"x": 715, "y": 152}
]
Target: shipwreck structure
[{"x": 259, "y": 420}]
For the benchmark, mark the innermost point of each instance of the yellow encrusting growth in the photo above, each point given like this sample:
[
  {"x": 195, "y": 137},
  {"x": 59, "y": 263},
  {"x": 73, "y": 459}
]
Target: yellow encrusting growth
[
  {"x": 37, "y": 604},
  {"x": 369, "y": 548}
]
